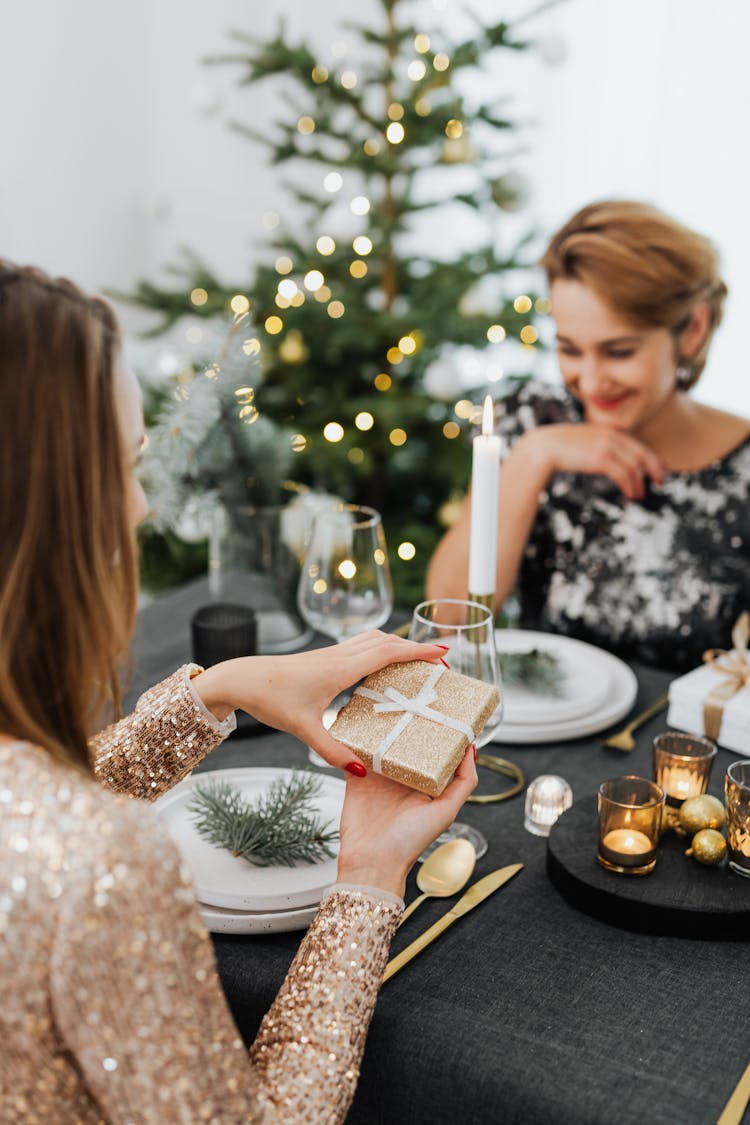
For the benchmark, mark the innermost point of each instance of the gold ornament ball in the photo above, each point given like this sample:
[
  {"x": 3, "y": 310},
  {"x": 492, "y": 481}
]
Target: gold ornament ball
[
  {"x": 457, "y": 151},
  {"x": 701, "y": 812},
  {"x": 449, "y": 511},
  {"x": 709, "y": 847},
  {"x": 293, "y": 348}
]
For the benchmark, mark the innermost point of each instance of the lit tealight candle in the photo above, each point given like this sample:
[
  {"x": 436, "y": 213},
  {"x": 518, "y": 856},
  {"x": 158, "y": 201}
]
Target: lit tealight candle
[
  {"x": 630, "y": 816},
  {"x": 682, "y": 765},
  {"x": 626, "y": 847},
  {"x": 680, "y": 783},
  {"x": 485, "y": 479}
]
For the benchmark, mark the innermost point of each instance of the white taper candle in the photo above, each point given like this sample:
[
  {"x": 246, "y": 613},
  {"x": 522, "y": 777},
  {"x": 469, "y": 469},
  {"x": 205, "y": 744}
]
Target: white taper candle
[{"x": 485, "y": 481}]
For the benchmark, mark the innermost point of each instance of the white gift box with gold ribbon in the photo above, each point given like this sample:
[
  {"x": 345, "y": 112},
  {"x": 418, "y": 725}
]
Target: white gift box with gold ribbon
[{"x": 714, "y": 699}]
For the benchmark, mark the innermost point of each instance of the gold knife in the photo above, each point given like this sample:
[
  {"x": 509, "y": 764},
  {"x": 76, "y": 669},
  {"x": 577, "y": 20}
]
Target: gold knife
[
  {"x": 476, "y": 893},
  {"x": 734, "y": 1110}
]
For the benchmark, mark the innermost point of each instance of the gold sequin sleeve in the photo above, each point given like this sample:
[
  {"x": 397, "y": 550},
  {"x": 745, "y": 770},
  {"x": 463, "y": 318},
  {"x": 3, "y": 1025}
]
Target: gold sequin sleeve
[
  {"x": 168, "y": 734},
  {"x": 136, "y": 997},
  {"x": 308, "y": 1049}
]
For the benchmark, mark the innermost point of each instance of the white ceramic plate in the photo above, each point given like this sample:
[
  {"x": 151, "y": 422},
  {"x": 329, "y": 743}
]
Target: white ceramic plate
[
  {"x": 587, "y": 678},
  {"x": 250, "y": 922},
  {"x": 618, "y": 702},
  {"x": 231, "y": 883}
]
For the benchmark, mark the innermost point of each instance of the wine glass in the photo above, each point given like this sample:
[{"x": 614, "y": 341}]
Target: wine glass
[
  {"x": 345, "y": 581},
  {"x": 468, "y": 630}
]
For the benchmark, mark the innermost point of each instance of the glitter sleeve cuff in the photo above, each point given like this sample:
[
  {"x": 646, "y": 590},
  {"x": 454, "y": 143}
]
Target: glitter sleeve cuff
[
  {"x": 308, "y": 1050},
  {"x": 167, "y": 735},
  {"x": 373, "y": 892},
  {"x": 223, "y": 727}
]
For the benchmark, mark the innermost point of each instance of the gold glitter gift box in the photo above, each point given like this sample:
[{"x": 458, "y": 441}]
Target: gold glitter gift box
[{"x": 412, "y": 722}]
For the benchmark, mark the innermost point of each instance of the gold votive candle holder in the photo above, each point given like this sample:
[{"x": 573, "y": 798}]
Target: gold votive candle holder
[
  {"x": 630, "y": 813},
  {"x": 682, "y": 765},
  {"x": 737, "y": 792}
]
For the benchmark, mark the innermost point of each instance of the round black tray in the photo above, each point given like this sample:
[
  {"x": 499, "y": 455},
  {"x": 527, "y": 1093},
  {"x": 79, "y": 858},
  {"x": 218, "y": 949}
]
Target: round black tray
[{"x": 680, "y": 897}]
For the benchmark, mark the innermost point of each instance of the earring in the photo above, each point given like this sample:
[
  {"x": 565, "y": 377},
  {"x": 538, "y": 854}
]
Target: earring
[{"x": 684, "y": 375}]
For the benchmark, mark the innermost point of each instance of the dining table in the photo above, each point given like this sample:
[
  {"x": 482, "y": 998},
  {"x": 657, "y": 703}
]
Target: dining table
[{"x": 529, "y": 1009}]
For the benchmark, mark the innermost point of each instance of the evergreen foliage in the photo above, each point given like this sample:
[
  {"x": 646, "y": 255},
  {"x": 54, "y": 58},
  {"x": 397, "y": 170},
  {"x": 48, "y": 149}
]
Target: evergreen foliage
[
  {"x": 536, "y": 670},
  {"x": 280, "y": 829},
  {"x": 351, "y": 307}
]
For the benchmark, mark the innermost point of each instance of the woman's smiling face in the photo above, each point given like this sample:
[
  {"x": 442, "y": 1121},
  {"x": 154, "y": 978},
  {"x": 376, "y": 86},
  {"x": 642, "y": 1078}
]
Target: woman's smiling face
[{"x": 621, "y": 373}]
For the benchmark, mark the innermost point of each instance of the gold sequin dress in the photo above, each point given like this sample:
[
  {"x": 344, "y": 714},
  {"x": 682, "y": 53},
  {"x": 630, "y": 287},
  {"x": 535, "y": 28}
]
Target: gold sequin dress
[{"x": 110, "y": 1005}]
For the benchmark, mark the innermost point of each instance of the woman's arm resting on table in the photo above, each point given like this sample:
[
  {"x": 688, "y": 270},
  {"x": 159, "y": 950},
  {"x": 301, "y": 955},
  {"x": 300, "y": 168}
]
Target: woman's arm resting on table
[{"x": 535, "y": 457}]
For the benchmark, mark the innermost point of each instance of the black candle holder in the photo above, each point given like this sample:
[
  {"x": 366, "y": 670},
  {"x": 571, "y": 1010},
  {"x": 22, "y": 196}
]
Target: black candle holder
[{"x": 222, "y": 631}]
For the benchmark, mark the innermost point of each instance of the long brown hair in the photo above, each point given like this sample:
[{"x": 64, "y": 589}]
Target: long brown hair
[
  {"x": 646, "y": 265},
  {"x": 67, "y": 556}
]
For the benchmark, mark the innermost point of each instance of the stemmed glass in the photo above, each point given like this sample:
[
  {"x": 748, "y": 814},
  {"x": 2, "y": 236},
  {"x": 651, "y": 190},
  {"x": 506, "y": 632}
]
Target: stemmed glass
[
  {"x": 345, "y": 581},
  {"x": 467, "y": 628}
]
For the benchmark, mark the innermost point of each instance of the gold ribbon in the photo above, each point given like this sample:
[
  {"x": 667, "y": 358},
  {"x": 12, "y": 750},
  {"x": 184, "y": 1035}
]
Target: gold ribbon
[{"x": 734, "y": 668}]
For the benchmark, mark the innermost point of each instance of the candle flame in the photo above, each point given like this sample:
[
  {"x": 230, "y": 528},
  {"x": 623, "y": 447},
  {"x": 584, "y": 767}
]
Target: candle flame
[{"x": 487, "y": 417}]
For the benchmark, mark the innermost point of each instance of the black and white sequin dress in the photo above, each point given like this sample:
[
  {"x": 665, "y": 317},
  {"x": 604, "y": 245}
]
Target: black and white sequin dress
[{"x": 658, "y": 580}]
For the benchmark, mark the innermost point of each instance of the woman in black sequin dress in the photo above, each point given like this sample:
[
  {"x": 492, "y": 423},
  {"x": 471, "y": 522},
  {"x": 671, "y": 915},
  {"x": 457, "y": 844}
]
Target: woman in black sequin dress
[{"x": 624, "y": 516}]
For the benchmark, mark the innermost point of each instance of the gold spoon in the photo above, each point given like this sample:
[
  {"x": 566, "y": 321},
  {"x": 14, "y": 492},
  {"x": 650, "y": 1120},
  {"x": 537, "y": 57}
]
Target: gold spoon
[{"x": 443, "y": 873}]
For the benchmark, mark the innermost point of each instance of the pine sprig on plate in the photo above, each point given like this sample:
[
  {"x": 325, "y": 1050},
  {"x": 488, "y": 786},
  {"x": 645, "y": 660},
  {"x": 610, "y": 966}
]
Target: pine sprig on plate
[
  {"x": 280, "y": 828},
  {"x": 538, "y": 671}
]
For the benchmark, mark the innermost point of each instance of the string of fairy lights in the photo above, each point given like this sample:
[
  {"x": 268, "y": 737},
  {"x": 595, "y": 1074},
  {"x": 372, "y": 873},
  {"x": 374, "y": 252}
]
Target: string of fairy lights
[{"x": 292, "y": 293}]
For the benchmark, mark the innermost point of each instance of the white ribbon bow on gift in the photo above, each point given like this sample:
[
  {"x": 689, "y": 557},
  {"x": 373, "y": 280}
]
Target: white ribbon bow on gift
[{"x": 393, "y": 700}]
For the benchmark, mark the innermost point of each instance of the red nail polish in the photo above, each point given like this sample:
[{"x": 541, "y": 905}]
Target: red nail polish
[
  {"x": 474, "y": 749},
  {"x": 444, "y": 663},
  {"x": 356, "y": 768},
  {"x": 446, "y": 647}
]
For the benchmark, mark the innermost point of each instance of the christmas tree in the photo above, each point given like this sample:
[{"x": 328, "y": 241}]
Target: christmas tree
[{"x": 354, "y": 316}]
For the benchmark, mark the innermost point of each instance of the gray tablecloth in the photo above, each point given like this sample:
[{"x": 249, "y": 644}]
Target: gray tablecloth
[{"x": 527, "y": 1010}]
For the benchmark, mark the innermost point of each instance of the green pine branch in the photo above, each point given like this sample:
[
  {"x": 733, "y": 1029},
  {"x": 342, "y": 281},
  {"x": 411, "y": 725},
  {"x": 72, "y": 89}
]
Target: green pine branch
[
  {"x": 538, "y": 671},
  {"x": 281, "y": 828}
]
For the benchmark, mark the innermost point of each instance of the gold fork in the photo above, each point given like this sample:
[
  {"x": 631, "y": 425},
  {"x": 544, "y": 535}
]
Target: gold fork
[{"x": 624, "y": 740}]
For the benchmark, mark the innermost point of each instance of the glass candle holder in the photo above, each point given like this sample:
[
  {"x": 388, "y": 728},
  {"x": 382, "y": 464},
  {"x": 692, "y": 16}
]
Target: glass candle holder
[
  {"x": 630, "y": 812},
  {"x": 682, "y": 765},
  {"x": 737, "y": 791}
]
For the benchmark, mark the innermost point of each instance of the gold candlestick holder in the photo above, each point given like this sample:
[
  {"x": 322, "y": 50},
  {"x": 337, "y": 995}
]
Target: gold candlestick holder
[{"x": 485, "y": 600}]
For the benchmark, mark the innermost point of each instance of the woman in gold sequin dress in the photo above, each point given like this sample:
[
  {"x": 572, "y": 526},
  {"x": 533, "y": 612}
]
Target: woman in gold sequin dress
[{"x": 111, "y": 1007}]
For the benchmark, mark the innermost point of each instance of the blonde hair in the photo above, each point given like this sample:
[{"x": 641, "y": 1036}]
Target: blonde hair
[
  {"x": 68, "y": 575},
  {"x": 652, "y": 269}
]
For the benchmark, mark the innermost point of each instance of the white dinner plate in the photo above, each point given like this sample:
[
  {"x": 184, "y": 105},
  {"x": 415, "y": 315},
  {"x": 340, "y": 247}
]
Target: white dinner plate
[
  {"x": 255, "y": 922},
  {"x": 620, "y": 698},
  {"x": 586, "y": 678},
  {"x": 231, "y": 883}
]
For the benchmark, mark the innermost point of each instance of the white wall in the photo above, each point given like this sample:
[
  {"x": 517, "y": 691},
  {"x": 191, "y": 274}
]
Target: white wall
[
  {"x": 651, "y": 103},
  {"x": 113, "y": 152},
  {"x": 113, "y": 148}
]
